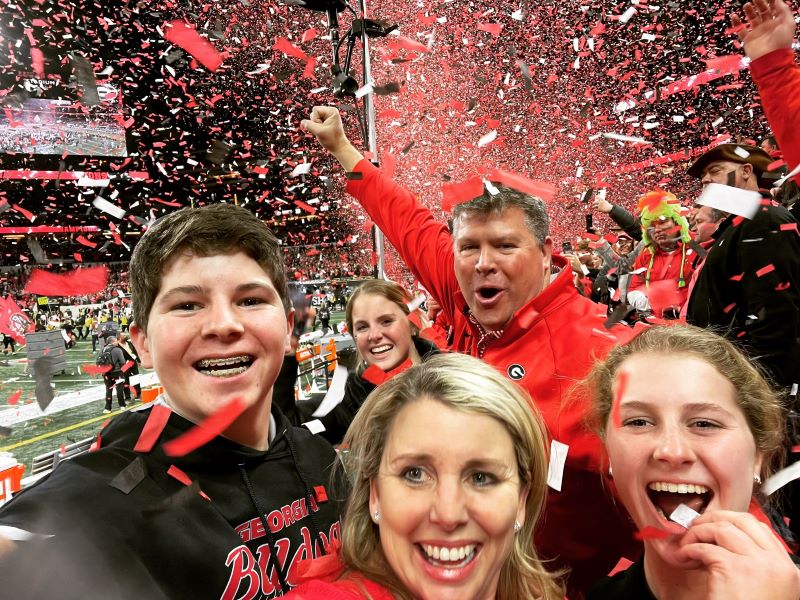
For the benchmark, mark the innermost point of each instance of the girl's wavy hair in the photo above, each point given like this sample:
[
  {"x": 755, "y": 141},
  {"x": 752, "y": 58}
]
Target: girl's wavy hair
[
  {"x": 468, "y": 385},
  {"x": 762, "y": 407}
]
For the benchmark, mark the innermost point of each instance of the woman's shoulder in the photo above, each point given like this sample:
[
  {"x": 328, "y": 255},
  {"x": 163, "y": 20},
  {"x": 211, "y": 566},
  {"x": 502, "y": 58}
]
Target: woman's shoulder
[{"x": 350, "y": 587}]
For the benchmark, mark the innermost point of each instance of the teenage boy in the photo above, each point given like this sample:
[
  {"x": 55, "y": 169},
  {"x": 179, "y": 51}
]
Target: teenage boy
[{"x": 230, "y": 519}]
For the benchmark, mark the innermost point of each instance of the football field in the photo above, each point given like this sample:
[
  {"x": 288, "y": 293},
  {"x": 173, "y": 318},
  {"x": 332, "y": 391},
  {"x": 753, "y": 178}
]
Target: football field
[{"x": 76, "y": 413}]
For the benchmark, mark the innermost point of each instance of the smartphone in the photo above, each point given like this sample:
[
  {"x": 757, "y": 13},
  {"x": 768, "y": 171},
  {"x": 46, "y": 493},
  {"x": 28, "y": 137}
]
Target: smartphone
[
  {"x": 566, "y": 247},
  {"x": 589, "y": 223}
]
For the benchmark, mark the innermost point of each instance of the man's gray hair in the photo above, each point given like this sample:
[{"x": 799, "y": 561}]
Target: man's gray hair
[{"x": 534, "y": 209}]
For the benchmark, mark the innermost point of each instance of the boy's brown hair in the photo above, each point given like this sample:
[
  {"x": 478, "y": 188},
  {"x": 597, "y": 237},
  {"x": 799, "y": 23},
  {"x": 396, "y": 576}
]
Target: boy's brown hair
[{"x": 205, "y": 231}]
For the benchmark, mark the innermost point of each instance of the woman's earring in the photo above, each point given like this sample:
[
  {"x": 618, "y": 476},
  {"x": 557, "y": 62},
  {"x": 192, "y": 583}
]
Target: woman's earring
[
  {"x": 517, "y": 526},
  {"x": 377, "y": 516},
  {"x": 610, "y": 472},
  {"x": 757, "y": 478}
]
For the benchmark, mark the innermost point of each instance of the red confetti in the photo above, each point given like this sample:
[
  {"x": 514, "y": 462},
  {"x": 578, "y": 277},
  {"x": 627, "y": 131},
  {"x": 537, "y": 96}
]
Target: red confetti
[
  {"x": 30, "y": 216},
  {"x": 184, "y": 35},
  {"x": 95, "y": 369},
  {"x": 540, "y": 189},
  {"x": 80, "y": 282},
  {"x": 37, "y": 60},
  {"x": 764, "y": 270},
  {"x": 783, "y": 286},
  {"x": 493, "y": 28},
  {"x": 175, "y": 472},
  {"x": 205, "y": 431},
  {"x": 127, "y": 366},
  {"x": 622, "y": 382},
  {"x": 14, "y": 398},
  {"x": 159, "y": 415},
  {"x": 320, "y": 493},
  {"x": 737, "y": 277},
  {"x": 456, "y": 193},
  {"x": 306, "y": 207},
  {"x": 729, "y": 308},
  {"x": 651, "y": 533}
]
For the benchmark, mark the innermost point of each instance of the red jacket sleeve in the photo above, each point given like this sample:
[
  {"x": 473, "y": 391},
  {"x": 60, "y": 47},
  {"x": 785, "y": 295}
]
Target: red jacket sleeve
[
  {"x": 424, "y": 244},
  {"x": 778, "y": 79}
]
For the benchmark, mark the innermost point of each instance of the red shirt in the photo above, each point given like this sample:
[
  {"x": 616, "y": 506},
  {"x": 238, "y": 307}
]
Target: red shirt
[{"x": 549, "y": 345}]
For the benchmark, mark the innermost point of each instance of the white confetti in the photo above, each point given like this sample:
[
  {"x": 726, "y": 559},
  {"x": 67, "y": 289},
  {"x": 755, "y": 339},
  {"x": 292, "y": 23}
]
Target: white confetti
[
  {"x": 106, "y": 206},
  {"x": 301, "y": 169},
  {"x": 781, "y": 478},
  {"x": 683, "y": 515},
  {"x": 487, "y": 139},
  {"x": 744, "y": 203},
  {"x": 558, "y": 458},
  {"x": 626, "y": 16}
]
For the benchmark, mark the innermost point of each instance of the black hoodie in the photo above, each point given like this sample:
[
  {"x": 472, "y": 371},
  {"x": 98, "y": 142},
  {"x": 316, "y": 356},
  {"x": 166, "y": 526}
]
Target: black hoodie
[{"x": 125, "y": 525}]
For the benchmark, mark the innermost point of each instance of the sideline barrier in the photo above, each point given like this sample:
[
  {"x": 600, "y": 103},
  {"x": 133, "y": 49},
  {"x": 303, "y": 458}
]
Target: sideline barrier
[
  {"x": 150, "y": 394},
  {"x": 10, "y": 481}
]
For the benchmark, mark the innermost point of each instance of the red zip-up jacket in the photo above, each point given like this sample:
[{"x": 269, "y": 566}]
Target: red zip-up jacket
[{"x": 548, "y": 346}]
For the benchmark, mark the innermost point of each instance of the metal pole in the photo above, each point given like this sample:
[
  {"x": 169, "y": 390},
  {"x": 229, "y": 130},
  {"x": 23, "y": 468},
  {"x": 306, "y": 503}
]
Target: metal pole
[{"x": 372, "y": 145}]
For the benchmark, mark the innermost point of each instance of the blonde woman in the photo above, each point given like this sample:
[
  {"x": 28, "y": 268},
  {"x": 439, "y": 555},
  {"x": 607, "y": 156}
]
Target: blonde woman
[{"x": 448, "y": 469}]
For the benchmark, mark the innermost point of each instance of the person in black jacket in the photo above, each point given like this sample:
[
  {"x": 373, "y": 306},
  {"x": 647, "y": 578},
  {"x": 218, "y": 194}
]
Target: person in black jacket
[
  {"x": 164, "y": 508},
  {"x": 114, "y": 378},
  {"x": 749, "y": 285}
]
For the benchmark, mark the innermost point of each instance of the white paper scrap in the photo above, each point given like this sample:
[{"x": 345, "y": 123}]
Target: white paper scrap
[
  {"x": 487, "y": 139},
  {"x": 301, "y": 169},
  {"x": 683, "y": 515},
  {"x": 364, "y": 90},
  {"x": 20, "y": 535},
  {"x": 106, "y": 206},
  {"x": 314, "y": 426},
  {"x": 558, "y": 458},
  {"x": 743, "y": 203},
  {"x": 335, "y": 392},
  {"x": 781, "y": 478}
]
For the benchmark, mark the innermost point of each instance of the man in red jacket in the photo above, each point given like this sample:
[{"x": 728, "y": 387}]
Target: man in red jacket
[{"x": 492, "y": 277}]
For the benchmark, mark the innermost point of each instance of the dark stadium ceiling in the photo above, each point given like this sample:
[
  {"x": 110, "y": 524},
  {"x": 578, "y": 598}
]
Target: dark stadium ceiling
[{"x": 543, "y": 82}]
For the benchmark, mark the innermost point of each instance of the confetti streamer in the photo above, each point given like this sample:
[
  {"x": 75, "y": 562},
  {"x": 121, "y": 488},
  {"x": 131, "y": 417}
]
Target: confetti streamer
[
  {"x": 79, "y": 282},
  {"x": 204, "y": 432},
  {"x": 184, "y": 35}
]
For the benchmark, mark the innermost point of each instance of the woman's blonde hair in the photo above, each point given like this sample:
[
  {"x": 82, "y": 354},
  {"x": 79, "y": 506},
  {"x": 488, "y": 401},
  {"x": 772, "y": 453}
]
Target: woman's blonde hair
[
  {"x": 761, "y": 406},
  {"x": 469, "y": 385}
]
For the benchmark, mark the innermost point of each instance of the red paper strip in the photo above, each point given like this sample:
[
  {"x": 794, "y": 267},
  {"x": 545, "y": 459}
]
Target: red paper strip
[
  {"x": 159, "y": 415},
  {"x": 127, "y": 366},
  {"x": 175, "y": 472},
  {"x": 320, "y": 493},
  {"x": 14, "y": 398},
  {"x": 541, "y": 189},
  {"x": 764, "y": 270},
  {"x": 289, "y": 49},
  {"x": 80, "y": 282},
  {"x": 95, "y": 369},
  {"x": 205, "y": 431},
  {"x": 651, "y": 533},
  {"x": 456, "y": 193},
  {"x": 306, "y": 207},
  {"x": 184, "y": 35},
  {"x": 622, "y": 382}
]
